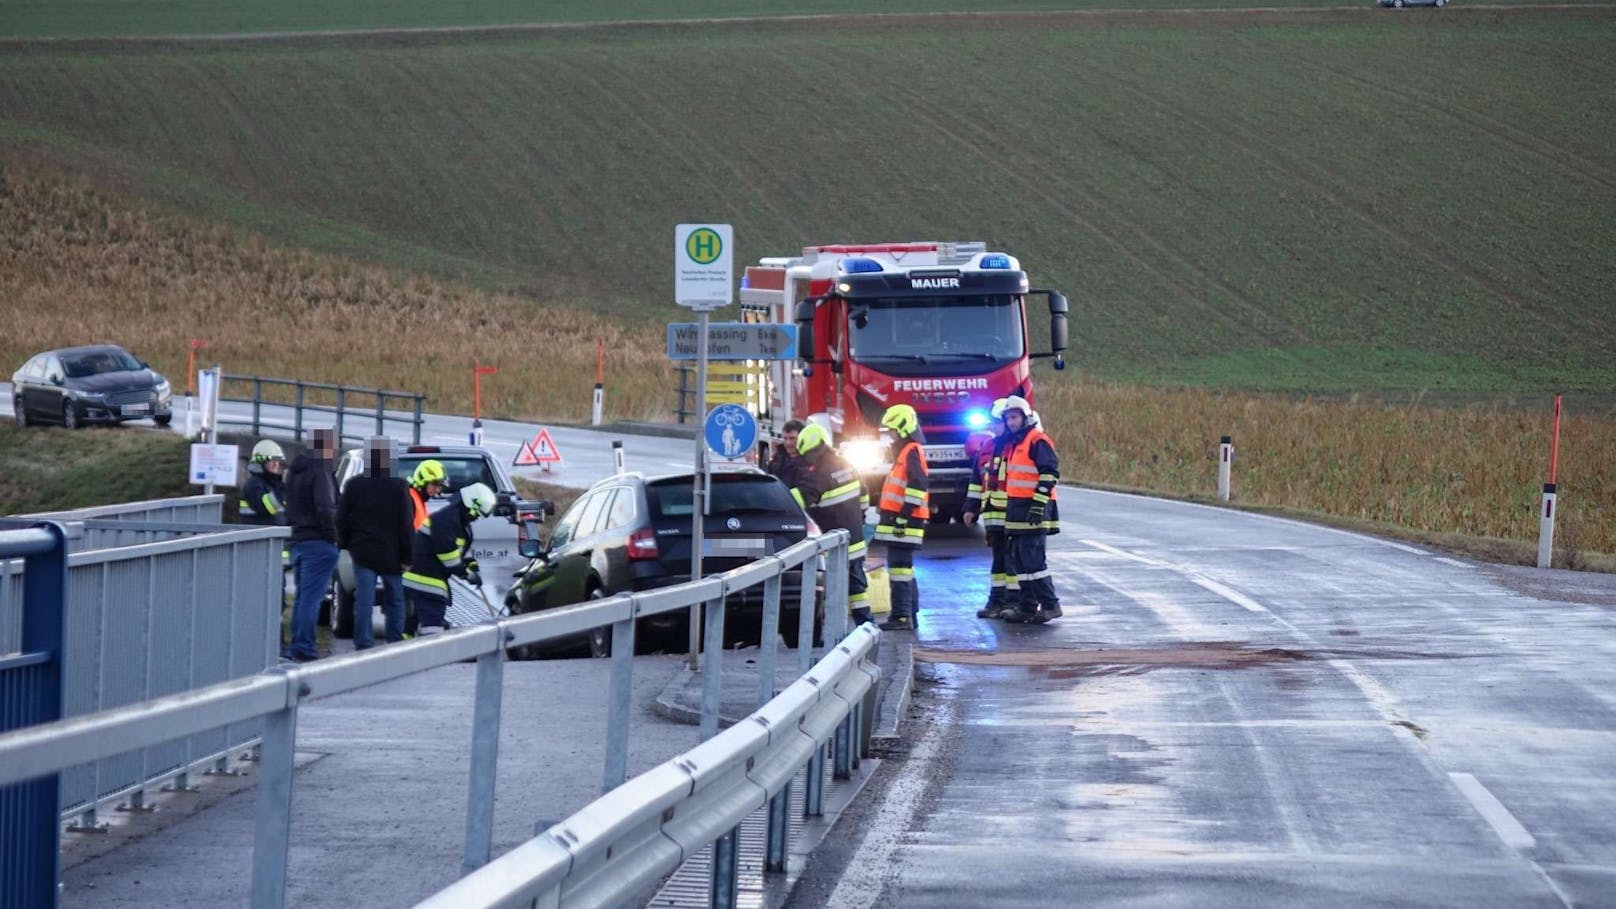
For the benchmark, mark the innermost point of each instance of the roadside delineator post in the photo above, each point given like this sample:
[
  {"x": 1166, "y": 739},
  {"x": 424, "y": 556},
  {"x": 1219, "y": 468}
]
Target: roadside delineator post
[
  {"x": 478, "y": 370},
  {"x": 600, "y": 384},
  {"x": 1545, "y": 529},
  {"x": 1225, "y": 460},
  {"x": 618, "y": 460},
  {"x": 190, "y": 387}
]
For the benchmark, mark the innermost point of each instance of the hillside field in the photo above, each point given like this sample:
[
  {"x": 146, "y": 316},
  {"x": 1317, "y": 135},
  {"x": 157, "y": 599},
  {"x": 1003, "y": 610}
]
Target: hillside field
[{"x": 1333, "y": 201}]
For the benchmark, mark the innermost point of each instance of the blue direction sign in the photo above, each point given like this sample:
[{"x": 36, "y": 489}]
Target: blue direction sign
[{"x": 730, "y": 431}]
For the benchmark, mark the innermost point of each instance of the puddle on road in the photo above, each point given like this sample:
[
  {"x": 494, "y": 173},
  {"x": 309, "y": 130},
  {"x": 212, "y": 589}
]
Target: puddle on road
[{"x": 1064, "y": 662}]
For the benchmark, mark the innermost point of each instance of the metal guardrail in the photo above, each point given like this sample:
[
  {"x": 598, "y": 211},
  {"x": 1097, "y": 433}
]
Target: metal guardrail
[
  {"x": 274, "y": 698},
  {"x": 129, "y": 523},
  {"x": 371, "y": 412},
  {"x": 170, "y": 608}
]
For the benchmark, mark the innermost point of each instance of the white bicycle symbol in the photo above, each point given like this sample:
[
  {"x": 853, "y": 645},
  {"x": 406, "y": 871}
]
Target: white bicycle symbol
[{"x": 734, "y": 417}]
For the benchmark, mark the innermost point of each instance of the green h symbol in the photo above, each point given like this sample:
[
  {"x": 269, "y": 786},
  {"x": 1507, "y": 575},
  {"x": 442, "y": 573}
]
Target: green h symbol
[{"x": 704, "y": 245}]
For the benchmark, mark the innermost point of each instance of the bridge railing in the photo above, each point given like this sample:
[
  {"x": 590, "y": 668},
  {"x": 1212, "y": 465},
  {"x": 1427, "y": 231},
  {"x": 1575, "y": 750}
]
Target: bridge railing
[
  {"x": 695, "y": 797},
  {"x": 355, "y": 412}
]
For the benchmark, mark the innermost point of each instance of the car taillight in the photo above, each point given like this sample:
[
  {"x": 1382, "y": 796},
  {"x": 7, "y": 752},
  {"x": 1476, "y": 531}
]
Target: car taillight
[{"x": 642, "y": 544}]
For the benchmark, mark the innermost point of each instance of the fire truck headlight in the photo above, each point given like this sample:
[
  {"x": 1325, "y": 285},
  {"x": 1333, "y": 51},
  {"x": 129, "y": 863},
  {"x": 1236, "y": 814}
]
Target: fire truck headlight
[
  {"x": 865, "y": 455},
  {"x": 977, "y": 419}
]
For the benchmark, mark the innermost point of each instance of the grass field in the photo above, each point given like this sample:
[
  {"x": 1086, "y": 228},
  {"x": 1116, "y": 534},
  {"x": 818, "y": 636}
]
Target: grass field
[
  {"x": 49, "y": 470},
  {"x": 1334, "y": 202},
  {"x": 74, "y": 256},
  {"x": 98, "y": 18}
]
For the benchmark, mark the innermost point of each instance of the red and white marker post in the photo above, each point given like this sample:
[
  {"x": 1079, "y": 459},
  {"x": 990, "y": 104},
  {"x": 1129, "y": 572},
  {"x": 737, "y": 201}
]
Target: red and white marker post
[
  {"x": 190, "y": 387},
  {"x": 1545, "y": 529},
  {"x": 1225, "y": 461},
  {"x": 478, "y": 370}
]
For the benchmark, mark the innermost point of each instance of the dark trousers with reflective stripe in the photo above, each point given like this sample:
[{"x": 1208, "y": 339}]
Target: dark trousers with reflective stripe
[
  {"x": 1029, "y": 566},
  {"x": 430, "y": 611},
  {"x": 1003, "y": 585},
  {"x": 858, "y": 586},
  {"x": 901, "y": 571}
]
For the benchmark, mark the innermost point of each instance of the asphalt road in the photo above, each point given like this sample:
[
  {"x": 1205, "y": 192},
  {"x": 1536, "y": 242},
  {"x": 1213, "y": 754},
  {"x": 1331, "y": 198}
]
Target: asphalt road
[
  {"x": 1238, "y": 710},
  {"x": 586, "y": 452}
]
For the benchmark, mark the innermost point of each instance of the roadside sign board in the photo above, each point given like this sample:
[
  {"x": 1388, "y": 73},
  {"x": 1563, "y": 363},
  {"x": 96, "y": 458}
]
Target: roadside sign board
[
  {"x": 730, "y": 431},
  {"x": 213, "y": 465},
  {"x": 703, "y": 266},
  {"x": 734, "y": 341}
]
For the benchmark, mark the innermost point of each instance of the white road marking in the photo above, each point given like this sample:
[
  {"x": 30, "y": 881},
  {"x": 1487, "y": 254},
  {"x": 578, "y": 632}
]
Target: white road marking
[
  {"x": 1263, "y": 517},
  {"x": 873, "y": 864},
  {"x": 1494, "y": 813}
]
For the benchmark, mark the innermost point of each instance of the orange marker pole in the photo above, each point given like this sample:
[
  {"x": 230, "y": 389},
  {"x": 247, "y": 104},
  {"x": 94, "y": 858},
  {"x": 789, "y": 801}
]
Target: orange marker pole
[{"x": 190, "y": 387}]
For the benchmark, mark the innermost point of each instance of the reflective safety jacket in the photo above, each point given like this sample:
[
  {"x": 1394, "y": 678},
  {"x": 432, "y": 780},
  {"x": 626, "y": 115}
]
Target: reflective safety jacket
[
  {"x": 1030, "y": 472},
  {"x": 986, "y": 493},
  {"x": 442, "y": 548},
  {"x": 904, "y": 496},
  {"x": 828, "y": 488},
  {"x": 262, "y": 497}
]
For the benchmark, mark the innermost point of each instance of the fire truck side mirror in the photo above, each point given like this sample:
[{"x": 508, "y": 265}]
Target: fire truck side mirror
[
  {"x": 805, "y": 329},
  {"x": 1059, "y": 333}
]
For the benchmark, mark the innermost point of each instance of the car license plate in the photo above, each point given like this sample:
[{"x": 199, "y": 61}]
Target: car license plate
[
  {"x": 945, "y": 453},
  {"x": 734, "y": 546},
  {"x": 136, "y": 408}
]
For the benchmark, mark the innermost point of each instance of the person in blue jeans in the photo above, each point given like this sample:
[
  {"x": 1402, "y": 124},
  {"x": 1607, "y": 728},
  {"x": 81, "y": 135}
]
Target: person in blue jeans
[
  {"x": 311, "y": 509},
  {"x": 375, "y": 525}
]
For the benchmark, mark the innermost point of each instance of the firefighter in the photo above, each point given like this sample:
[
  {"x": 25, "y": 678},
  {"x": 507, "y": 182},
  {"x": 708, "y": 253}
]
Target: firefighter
[
  {"x": 428, "y": 480},
  {"x": 1030, "y": 472},
  {"x": 828, "y": 488},
  {"x": 981, "y": 505},
  {"x": 1006, "y": 590},
  {"x": 442, "y": 550},
  {"x": 264, "y": 493},
  {"x": 903, "y": 513}
]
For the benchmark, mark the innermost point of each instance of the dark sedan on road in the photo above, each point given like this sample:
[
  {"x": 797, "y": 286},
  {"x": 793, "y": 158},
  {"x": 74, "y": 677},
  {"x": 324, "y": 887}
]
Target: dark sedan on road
[
  {"x": 79, "y": 385},
  {"x": 632, "y": 532}
]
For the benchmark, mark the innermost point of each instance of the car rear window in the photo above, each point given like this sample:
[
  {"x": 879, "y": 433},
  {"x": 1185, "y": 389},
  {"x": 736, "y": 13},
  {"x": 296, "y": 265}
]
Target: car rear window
[
  {"x": 672, "y": 498},
  {"x": 463, "y": 471}
]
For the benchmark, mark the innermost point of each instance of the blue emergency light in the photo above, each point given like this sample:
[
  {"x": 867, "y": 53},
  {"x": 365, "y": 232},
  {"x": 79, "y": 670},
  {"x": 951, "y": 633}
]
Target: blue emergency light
[
  {"x": 977, "y": 419},
  {"x": 860, "y": 265},
  {"x": 997, "y": 260}
]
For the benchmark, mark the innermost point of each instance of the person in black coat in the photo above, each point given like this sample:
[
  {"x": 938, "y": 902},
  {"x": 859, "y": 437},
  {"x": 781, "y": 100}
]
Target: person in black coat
[
  {"x": 311, "y": 509},
  {"x": 375, "y": 524}
]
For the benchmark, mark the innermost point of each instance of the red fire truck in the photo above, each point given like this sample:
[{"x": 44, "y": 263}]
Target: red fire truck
[{"x": 939, "y": 326}]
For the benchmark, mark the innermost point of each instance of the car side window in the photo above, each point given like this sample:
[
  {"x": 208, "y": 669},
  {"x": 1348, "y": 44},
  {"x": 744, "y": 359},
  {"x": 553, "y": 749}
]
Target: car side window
[
  {"x": 35, "y": 368},
  {"x": 622, "y": 512},
  {"x": 565, "y": 529},
  {"x": 53, "y": 370},
  {"x": 590, "y": 522}
]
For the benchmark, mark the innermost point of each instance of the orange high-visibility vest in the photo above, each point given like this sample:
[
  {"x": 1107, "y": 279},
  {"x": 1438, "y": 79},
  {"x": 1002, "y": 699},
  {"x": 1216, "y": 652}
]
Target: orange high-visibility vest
[
  {"x": 896, "y": 489},
  {"x": 1020, "y": 473},
  {"x": 419, "y": 501}
]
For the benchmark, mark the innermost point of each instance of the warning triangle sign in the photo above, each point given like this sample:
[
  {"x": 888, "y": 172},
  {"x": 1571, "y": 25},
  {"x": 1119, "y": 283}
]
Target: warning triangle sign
[
  {"x": 544, "y": 448},
  {"x": 524, "y": 457}
]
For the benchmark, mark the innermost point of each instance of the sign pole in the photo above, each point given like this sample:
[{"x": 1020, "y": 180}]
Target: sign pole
[
  {"x": 699, "y": 493},
  {"x": 210, "y": 414}
]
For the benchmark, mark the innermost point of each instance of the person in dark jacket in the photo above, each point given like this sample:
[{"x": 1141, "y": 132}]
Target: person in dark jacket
[
  {"x": 786, "y": 462},
  {"x": 375, "y": 525},
  {"x": 311, "y": 507},
  {"x": 828, "y": 488},
  {"x": 442, "y": 551}
]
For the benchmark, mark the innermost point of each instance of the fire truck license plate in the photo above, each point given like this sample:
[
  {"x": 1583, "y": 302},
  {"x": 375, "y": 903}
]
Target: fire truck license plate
[{"x": 945, "y": 452}]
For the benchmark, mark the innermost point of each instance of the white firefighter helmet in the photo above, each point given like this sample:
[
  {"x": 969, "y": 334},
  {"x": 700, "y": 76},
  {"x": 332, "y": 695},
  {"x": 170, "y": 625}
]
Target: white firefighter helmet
[{"x": 478, "y": 499}]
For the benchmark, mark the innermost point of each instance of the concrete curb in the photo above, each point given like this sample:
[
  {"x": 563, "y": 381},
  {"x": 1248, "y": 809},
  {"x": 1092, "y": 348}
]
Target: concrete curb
[{"x": 895, "y": 699}]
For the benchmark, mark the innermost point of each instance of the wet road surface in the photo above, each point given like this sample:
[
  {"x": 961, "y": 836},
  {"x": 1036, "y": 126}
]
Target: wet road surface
[{"x": 1238, "y": 710}]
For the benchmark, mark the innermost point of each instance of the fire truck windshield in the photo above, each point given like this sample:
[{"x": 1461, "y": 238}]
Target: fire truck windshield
[{"x": 973, "y": 333}]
